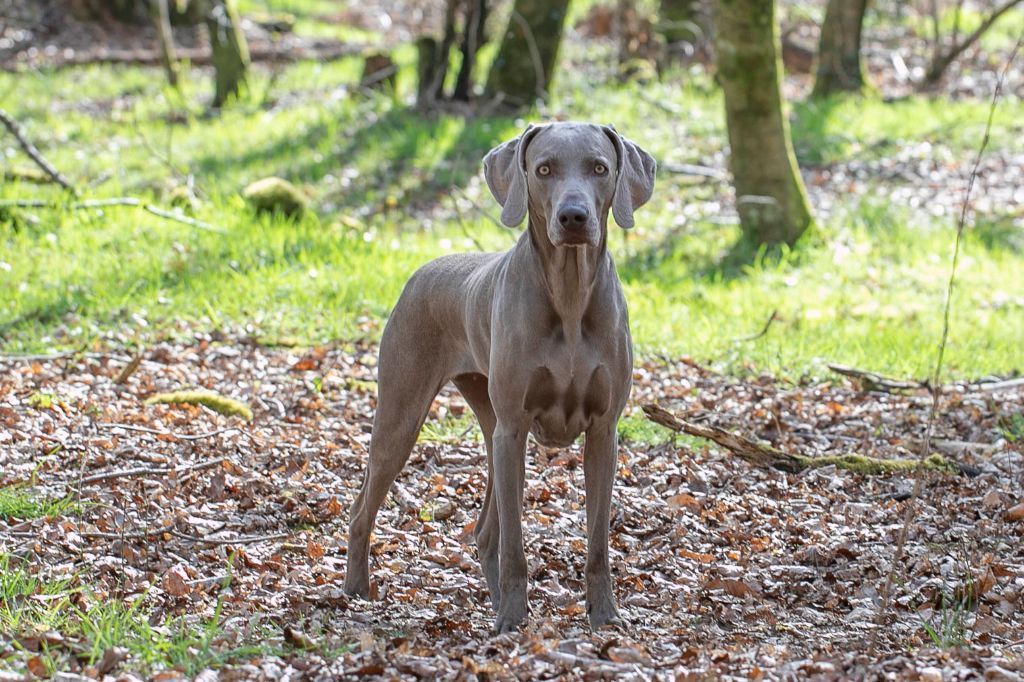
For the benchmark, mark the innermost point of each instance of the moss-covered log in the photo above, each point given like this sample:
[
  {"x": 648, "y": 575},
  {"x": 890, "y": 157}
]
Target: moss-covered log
[
  {"x": 765, "y": 456},
  {"x": 220, "y": 404},
  {"x": 230, "y": 53},
  {"x": 523, "y": 70},
  {"x": 770, "y": 194},
  {"x": 840, "y": 67}
]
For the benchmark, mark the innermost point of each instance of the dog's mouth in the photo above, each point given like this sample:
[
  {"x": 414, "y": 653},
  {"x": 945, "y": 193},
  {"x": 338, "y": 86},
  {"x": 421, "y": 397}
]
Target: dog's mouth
[{"x": 575, "y": 237}]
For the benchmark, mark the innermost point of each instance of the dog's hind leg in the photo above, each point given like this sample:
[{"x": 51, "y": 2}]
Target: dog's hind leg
[
  {"x": 408, "y": 378},
  {"x": 474, "y": 389}
]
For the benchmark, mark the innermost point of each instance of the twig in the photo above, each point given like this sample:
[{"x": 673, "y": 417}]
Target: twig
[
  {"x": 149, "y": 471},
  {"x": 764, "y": 330},
  {"x": 133, "y": 535},
  {"x": 911, "y": 510},
  {"x": 172, "y": 434},
  {"x": 131, "y": 202},
  {"x": 481, "y": 210},
  {"x": 876, "y": 382},
  {"x": 34, "y": 153},
  {"x": 241, "y": 540},
  {"x": 128, "y": 370}
]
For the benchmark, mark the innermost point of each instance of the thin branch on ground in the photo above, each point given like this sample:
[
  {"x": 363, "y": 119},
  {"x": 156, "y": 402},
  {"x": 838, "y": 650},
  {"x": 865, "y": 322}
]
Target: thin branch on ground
[
  {"x": 172, "y": 434},
  {"x": 130, "y": 202},
  {"x": 911, "y": 509},
  {"x": 240, "y": 540},
  {"x": 148, "y": 471},
  {"x": 34, "y": 153}
]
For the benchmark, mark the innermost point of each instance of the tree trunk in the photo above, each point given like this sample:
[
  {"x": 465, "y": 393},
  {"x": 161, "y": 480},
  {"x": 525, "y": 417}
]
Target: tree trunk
[
  {"x": 770, "y": 194},
  {"x": 230, "y": 53},
  {"x": 526, "y": 60},
  {"x": 472, "y": 39},
  {"x": 162, "y": 22},
  {"x": 840, "y": 68}
]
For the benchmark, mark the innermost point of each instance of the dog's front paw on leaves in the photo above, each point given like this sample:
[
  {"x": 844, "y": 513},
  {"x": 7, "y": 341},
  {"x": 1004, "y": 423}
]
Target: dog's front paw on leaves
[
  {"x": 605, "y": 615},
  {"x": 357, "y": 587},
  {"x": 509, "y": 618}
]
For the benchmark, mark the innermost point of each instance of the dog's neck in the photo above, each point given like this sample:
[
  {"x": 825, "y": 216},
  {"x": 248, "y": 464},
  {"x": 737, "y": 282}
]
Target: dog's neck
[{"x": 570, "y": 273}]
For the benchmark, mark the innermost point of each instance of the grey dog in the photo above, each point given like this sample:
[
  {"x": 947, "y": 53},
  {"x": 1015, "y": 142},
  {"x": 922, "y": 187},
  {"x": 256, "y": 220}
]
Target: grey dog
[{"x": 536, "y": 339}]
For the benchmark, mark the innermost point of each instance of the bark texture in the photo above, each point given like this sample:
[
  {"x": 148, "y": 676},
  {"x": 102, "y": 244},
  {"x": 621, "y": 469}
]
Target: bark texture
[
  {"x": 523, "y": 69},
  {"x": 230, "y": 54},
  {"x": 770, "y": 194},
  {"x": 840, "y": 67}
]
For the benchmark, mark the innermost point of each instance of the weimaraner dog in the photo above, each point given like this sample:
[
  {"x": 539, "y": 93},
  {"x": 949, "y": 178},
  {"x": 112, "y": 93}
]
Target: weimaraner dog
[{"x": 536, "y": 339}]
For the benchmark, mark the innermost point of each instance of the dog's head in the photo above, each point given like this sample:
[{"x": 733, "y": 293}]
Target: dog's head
[{"x": 570, "y": 175}]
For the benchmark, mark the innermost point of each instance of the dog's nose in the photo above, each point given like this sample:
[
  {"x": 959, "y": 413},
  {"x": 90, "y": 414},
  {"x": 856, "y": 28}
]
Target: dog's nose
[{"x": 573, "y": 217}]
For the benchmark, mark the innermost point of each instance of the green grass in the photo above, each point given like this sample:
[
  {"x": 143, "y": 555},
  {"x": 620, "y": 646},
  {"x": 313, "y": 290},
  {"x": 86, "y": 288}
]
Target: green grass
[
  {"x": 30, "y": 607},
  {"x": 866, "y": 289},
  {"x": 18, "y": 502}
]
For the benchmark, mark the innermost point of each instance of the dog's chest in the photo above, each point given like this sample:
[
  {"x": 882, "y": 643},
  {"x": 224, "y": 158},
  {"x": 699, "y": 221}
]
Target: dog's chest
[{"x": 565, "y": 395}]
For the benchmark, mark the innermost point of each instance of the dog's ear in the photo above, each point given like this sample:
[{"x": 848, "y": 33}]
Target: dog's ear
[
  {"x": 634, "y": 181},
  {"x": 505, "y": 172}
]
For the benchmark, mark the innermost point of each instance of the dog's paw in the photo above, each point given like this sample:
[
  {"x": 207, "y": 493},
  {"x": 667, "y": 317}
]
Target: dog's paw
[
  {"x": 357, "y": 586},
  {"x": 604, "y": 616},
  {"x": 509, "y": 618}
]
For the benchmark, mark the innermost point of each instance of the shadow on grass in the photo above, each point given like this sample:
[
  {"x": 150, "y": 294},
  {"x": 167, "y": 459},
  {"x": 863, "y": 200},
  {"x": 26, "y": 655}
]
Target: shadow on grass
[{"x": 404, "y": 159}]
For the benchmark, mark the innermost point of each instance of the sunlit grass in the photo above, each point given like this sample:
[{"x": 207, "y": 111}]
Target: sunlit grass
[{"x": 865, "y": 290}]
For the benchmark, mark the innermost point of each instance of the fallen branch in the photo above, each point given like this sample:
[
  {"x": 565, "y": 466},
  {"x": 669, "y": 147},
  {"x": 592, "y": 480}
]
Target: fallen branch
[
  {"x": 872, "y": 381},
  {"x": 322, "y": 50},
  {"x": 149, "y": 471},
  {"x": 767, "y": 457},
  {"x": 130, "y": 202},
  {"x": 34, "y": 153}
]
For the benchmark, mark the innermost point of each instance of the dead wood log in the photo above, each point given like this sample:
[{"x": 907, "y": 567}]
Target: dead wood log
[
  {"x": 767, "y": 457},
  {"x": 34, "y": 153}
]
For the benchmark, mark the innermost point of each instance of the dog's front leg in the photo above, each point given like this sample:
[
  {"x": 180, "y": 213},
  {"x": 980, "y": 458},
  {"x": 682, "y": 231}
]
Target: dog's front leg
[
  {"x": 599, "y": 460},
  {"x": 509, "y": 481}
]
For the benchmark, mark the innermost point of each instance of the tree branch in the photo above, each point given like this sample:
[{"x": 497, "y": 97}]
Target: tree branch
[{"x": 34, "y": 153}]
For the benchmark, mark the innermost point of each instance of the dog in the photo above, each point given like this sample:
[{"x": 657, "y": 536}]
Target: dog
[{"x": 537, "y": 341}]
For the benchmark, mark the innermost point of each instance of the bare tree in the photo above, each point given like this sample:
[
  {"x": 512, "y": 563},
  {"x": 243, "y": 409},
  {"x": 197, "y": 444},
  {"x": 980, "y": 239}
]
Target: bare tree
[
  {"x": 770, "y": 194},
  {"x": 230, "y": 52},
  {"x": 944, "y": 52},
  {"x": 840, "y": 67},
  {"x": 162, "y": 21}
]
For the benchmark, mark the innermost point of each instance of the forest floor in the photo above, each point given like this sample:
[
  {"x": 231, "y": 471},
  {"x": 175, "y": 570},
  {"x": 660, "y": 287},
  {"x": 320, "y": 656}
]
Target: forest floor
[{"x": 164, "y": 540}]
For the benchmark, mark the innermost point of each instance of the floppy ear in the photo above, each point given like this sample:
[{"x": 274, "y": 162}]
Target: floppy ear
[
  {"x": 505, "y": 172},
  {"x": 634, "y": 182}
]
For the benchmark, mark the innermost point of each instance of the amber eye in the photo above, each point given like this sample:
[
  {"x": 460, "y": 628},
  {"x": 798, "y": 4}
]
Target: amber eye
[
  {"x": 600, "y": 169},
  {"x": 544, "y": 170}
]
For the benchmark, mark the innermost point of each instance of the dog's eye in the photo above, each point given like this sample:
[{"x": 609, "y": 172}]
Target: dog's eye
[
  {"x": 544, "y": 170},
  {"x": 600, "y": 168}
]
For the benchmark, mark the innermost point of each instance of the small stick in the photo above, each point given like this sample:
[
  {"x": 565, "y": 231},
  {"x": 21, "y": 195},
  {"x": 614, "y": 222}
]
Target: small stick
[
  {"x": 34, "y": 153},
  {"x": 128, "y": 370},
  {"x": 172, "y": 434},
  {"x": 764, "y": 330},
  {"x": 241, "y": 540},
  {"x": 148, "y": 471}
]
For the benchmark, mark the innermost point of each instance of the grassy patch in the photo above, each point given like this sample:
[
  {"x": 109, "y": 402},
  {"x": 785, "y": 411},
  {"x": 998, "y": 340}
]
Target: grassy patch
[
  {"x": 32, "y": 607},
  {"x": 393, "y": 189},
  {"x": 19, "y": 502}
]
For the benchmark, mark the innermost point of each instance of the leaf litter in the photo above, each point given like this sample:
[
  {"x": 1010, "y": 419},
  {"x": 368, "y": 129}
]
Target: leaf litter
[{"x": 722, "y": 570}]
